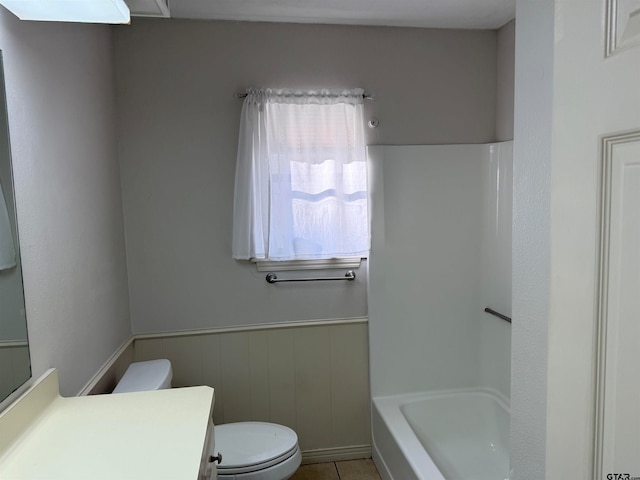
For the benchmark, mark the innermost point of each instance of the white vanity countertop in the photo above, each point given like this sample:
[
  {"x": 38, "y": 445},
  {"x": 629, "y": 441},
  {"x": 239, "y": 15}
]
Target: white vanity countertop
[{"x": 142, "y": 435}]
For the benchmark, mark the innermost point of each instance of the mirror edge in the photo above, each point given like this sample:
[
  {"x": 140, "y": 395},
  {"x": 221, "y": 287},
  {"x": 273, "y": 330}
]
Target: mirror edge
[{"x": 20, "y": 389}]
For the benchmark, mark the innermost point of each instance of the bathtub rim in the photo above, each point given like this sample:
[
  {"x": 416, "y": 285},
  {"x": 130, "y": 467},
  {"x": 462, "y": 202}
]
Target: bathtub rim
[{"x": 398, "y": 426}]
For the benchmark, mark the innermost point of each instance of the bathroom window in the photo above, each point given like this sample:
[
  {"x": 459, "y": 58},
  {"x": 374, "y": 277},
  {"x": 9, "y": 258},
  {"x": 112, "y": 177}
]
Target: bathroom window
[{"x": 301, "y": 177}]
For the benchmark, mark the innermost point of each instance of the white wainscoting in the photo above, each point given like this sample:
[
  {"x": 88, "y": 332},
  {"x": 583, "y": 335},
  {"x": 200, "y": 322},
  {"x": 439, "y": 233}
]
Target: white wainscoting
[{"x": 313, "y": 377}]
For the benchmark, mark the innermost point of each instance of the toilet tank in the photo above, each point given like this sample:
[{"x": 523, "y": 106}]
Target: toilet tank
[{"x": 142, "y": 376}]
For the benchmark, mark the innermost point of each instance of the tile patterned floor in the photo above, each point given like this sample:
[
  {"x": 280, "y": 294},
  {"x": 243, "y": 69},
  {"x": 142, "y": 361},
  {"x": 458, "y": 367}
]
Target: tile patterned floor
[{"x": 347, "y": 470}]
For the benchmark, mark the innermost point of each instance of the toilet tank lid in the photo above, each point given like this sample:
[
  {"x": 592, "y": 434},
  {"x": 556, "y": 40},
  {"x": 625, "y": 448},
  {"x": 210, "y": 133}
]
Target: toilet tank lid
[{"x": 143, "y": 376}]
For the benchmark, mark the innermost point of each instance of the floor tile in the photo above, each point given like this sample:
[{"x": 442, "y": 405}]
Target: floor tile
[
  {"x": 357, "y": 470},
  {"x": 316, "y": 471}
]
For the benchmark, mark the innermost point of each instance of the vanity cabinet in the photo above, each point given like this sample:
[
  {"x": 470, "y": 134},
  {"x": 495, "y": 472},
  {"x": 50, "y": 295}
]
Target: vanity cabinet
[{"x": 162, "y": 434}]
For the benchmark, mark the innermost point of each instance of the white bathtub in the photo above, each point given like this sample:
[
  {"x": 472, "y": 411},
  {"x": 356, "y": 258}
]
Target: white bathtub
[{"x": 447, "y": 435}]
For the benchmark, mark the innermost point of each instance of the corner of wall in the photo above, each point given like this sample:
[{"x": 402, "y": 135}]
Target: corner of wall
[
  {"x": 531, "y": 234},
  {"x": 105, "y": 379},
  {"x": 505, "y": 81}
]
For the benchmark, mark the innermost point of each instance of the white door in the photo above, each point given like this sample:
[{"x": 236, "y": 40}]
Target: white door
[{"x": 593, "y": 398}]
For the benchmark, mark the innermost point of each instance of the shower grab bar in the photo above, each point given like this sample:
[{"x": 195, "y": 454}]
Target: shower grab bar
[
  {"x": 273, "y": 278},
  {"x": 497, "y": 314}
]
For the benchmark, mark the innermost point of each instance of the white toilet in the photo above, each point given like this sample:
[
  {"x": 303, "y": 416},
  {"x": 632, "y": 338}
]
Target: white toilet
[{"x": 249, "y": 450}]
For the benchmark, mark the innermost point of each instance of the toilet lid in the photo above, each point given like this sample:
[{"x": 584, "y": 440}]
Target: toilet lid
[{"x": 248, "y": 444}]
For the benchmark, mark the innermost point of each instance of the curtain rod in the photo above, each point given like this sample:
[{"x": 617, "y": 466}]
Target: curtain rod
[{"x": 365, "y": 96}]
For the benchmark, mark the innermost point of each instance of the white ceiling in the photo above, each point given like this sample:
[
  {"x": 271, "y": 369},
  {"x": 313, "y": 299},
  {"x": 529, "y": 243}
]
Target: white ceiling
[{"x": 482, "y": 14}]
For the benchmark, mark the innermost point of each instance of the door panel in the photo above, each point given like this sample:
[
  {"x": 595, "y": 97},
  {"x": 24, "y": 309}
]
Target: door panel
[{"x": 617, "y": 438}]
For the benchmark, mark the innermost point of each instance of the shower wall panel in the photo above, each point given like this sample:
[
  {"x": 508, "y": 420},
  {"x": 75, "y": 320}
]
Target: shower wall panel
[
  {"x": 495, "y": 336},
  {"x": 435, "y": 264}
]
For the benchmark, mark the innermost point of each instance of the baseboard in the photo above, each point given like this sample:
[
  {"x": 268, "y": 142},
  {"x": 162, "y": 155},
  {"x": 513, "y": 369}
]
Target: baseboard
[
  {"x": 338, "y": 454},
  {"x": 105, "y": 367}
]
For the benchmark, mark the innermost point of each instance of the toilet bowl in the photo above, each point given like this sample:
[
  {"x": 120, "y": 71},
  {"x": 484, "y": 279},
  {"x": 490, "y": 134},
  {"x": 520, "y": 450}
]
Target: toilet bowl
[
  {"x": 249, "y": 450},
  {"x": 256, "y": 451}
]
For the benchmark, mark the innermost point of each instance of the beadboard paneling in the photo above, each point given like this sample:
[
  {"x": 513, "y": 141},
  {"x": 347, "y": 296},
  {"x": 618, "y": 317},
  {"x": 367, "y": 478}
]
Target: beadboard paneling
[
  {"x": 312, "y": 360},
  {"x": 349, "y": 358},
  {"x": 282, "y": 377},
  {"x": 235, "y": 359},
  {"x": 314, "y": 379}
]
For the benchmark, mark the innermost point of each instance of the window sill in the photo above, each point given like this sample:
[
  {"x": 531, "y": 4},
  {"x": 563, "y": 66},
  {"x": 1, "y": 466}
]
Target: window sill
[{"x": 271, "y": 266}]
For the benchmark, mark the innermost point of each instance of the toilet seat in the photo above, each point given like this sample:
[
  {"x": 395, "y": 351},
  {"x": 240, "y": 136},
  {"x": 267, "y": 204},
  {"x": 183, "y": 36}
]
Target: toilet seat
[{"x": 252, "y": 446}]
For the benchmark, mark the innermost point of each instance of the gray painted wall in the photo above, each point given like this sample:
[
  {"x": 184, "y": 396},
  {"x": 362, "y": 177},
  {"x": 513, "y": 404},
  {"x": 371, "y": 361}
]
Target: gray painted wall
[
  {"x": 178, "y": 128},
  {"x": 61, "y": 105},
  {"x": 506, "y": 57}
]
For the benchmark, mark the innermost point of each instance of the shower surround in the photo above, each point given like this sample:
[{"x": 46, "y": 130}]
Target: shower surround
[{"x": 441, "y": 253}]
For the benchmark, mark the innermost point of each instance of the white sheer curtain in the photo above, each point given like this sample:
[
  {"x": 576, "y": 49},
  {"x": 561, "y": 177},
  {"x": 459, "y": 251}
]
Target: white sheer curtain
[{"x": 301, "y": 176}]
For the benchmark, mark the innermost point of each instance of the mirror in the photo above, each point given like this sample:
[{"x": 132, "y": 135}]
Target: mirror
[{"x": 15, "y": 368}]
